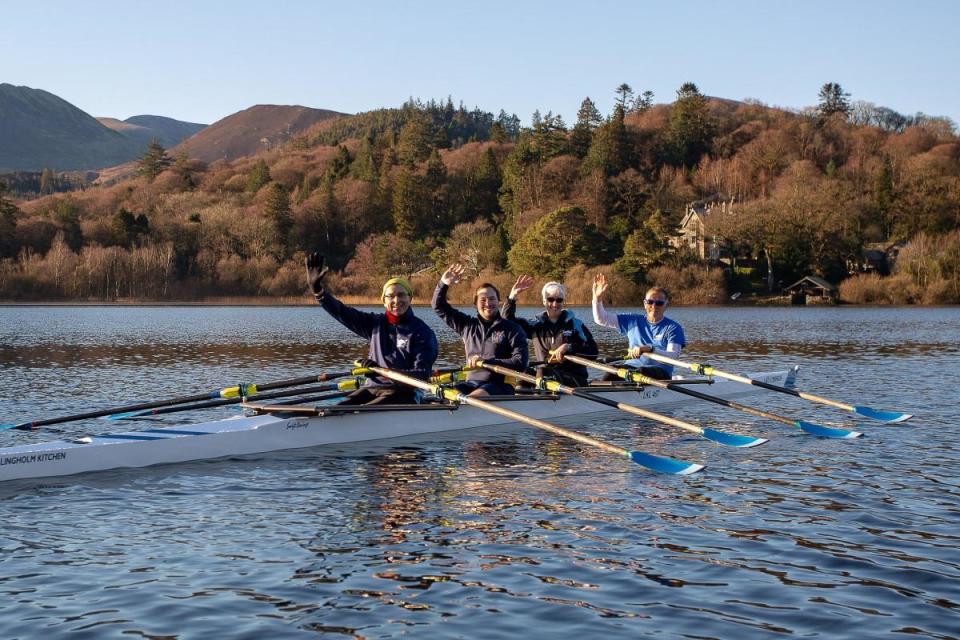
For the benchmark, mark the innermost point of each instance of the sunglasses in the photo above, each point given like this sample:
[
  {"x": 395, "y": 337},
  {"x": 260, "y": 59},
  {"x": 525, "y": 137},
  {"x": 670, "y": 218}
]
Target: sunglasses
[
  {"x": 555, "y": 300},
  {"x": 658, "y": 303}
]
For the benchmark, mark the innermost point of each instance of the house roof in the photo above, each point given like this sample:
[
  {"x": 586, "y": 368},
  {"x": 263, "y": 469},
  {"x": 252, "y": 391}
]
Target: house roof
[{"x": 816, "y": 281}]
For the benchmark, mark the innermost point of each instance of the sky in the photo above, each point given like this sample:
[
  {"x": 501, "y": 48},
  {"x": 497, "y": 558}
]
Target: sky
[{"x": 202, "y": 60}]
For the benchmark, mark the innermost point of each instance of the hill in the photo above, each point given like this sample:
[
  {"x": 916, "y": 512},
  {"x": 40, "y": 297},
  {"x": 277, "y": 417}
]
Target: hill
[
  {"x": 247, "y": 132},
  {"x": 143, "y": 129},
  {"x": 40, "y": 130}
]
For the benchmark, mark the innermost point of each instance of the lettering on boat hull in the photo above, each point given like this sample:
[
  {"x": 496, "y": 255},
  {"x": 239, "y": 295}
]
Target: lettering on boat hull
[{"x": 33, "y": 458}]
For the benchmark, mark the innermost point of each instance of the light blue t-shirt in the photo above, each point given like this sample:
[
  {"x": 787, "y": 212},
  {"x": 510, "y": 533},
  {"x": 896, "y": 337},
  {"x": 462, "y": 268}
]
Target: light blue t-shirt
[{"x": 641, "y": 332}]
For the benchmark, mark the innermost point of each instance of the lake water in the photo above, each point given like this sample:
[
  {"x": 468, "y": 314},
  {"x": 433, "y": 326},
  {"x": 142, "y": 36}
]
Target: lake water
[{"x": 505, "y": 533}]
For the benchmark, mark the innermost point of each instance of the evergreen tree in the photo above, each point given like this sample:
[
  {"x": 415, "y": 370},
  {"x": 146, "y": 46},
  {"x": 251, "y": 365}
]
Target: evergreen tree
[
  {"x": 611, "y": 148},
  {"x": 554, "y": 244},
  {"x": 414, "y": 141},
  {"x": 409, "y": 203},
  {"x": 66, "y": 215},
  {"x": 691, "y": 131},
  {"x": 8, "y": 223},
  {"x": 549, "y": 137},
  {"x": 588, "y": 119},
  {"x": 483, "y": 186},
  {"x": 366, "y": 166},
  {"x": 259, "y": 176},
  {"x": 645, "y": 248},
  {"x": 833, "y": 99},
  {"x": 154, "y": 161},
  {"x": 643, "y": 102},
  {"x": 883, "y": 195},
  {"x": 277, "y": 210},
  {"x": 625, "y": 97}
]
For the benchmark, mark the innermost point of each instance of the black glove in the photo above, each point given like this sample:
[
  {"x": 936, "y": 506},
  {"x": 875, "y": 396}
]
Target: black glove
[
  {"x": 315, "y": 272},
  {"x": 366, "y": 363}
]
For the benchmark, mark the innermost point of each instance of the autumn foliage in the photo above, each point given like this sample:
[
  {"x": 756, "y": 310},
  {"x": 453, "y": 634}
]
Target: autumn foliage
[{"x": 407, "y": 191}]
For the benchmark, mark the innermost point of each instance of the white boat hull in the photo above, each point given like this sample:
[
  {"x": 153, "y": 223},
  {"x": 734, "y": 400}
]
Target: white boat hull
[{"x": 264, "y": 433}]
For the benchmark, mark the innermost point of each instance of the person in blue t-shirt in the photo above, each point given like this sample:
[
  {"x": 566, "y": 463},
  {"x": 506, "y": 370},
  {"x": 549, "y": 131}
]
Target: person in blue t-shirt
[{"x": 649, "y": 333}]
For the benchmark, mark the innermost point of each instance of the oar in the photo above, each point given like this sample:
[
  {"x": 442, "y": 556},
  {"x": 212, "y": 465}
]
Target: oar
[
  {"x": 707, "y": 370},
  {"x": 345, "y": 385},
  {"x": 630, "y": 374},
  {"x": 228, "y": 392},
  {"x": 656, "y": 463},
  {"x": 721, "y": 437}
]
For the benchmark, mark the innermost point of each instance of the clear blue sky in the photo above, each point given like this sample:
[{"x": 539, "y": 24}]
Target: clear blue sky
[{"x": 201, "y": 61}]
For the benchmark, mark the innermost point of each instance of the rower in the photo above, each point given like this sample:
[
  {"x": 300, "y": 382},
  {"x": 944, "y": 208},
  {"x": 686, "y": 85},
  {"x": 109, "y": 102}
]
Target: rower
[
  {"x": 554, "y": 333},
  {"x": 648, "y": 333},
  {"x": 398, "y": 339},
  {"x": 488, "y": 337}
]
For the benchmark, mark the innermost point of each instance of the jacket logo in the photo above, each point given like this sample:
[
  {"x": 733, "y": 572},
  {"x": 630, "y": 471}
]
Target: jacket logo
[
  {"x": 402, "y": 343},
  {"x": 496, "y": 336}
]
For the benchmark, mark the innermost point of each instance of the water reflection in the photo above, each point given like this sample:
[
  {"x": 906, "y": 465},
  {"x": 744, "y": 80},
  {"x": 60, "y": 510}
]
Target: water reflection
[{"x": 498, "y": 532}]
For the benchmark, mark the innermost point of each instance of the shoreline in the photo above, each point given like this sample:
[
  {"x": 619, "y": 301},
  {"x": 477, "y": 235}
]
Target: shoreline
[{"x": 287, "y": 301}]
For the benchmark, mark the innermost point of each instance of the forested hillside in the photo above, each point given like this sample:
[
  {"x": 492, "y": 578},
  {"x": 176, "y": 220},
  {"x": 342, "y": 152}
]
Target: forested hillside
[{"x": 403, "y": 191}]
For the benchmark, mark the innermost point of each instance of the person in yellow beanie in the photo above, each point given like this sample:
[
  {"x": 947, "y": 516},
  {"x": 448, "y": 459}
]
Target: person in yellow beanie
[{"x": 399, "y": 340}]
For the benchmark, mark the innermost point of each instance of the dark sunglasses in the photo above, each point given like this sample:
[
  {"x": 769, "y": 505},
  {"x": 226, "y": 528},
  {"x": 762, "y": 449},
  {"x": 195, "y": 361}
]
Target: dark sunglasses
[
  {"x": 658, "y": 303},
  {"x": 557, "y": 300}
]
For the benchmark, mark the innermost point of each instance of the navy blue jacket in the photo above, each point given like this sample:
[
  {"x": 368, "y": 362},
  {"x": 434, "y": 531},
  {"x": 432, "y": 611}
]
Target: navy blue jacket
[
  {"x": 500, "y": 342},
  {"x": 409, "y": 347},
  {"x": 547, "y": 335}
]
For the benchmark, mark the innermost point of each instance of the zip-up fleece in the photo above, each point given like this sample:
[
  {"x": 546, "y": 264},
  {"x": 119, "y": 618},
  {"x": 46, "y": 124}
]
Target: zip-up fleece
[
  {"x": 547, "y": 335},
  {"x": 409, "y": 347},
  {"x": 500, "y": 342}
]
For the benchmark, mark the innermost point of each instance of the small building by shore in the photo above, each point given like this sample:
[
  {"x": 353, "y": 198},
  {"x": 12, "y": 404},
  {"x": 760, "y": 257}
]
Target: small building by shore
[{"x": 811, "y": 290}]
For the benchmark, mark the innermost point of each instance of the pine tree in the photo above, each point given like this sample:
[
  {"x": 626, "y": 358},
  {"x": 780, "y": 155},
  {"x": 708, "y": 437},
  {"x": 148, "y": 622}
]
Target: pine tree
[
  {"x": 8, "y": 223},
  {"x": 277, "y": 210},
  {"x": 625, "y": 97},
  {"x": 643, "y": 102},
  {"x": 155, "y": 160},
  {"x": 259, "y": 176},
  {"x": 691, "y": 131},
  {"x": 611, "y": 149},
  {"x": 414, "y": 143},
  {"x": 833, "y": 99},
  {"x": 588, "y": 119}
]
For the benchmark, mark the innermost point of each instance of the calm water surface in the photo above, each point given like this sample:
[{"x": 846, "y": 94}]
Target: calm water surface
[{"x": 502, "y": 533}]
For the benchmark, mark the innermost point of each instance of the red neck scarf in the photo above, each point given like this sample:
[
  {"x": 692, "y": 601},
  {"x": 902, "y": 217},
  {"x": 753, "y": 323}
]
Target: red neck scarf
[{"x": 392, "y": 318}]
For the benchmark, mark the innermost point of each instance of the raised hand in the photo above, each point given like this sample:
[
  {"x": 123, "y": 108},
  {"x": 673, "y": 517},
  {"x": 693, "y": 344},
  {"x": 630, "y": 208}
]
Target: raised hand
[
  {"x": 316, "y": 269},
  {"x": 522, "y": 284},
  {"x": 599, "y": 286},
  {"x": 453, "y": 274}
]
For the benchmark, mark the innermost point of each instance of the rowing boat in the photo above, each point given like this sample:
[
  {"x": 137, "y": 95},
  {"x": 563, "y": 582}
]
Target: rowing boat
[{"x": 266, "y": 429}]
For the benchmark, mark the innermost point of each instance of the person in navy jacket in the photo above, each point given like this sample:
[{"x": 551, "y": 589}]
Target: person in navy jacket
[
  {"x": 399, "y": 340},
  {"x": 488, "y": 337},
  {"x": 554, "y": 333}
]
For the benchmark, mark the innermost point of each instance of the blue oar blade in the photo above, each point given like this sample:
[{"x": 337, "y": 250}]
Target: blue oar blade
[
  {"x": 826, "y": 432},
  {"x": 125, "y": 416},
  {"x": 7, "y": 426},
  {"x": 732, "y": 439},
  {"x": 664, "y": 464},
  {"x": 882, "y": 416}
]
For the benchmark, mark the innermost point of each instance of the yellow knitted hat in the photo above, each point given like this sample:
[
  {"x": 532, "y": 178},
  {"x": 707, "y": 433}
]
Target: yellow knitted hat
[{"x": 392, "y": 281}]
